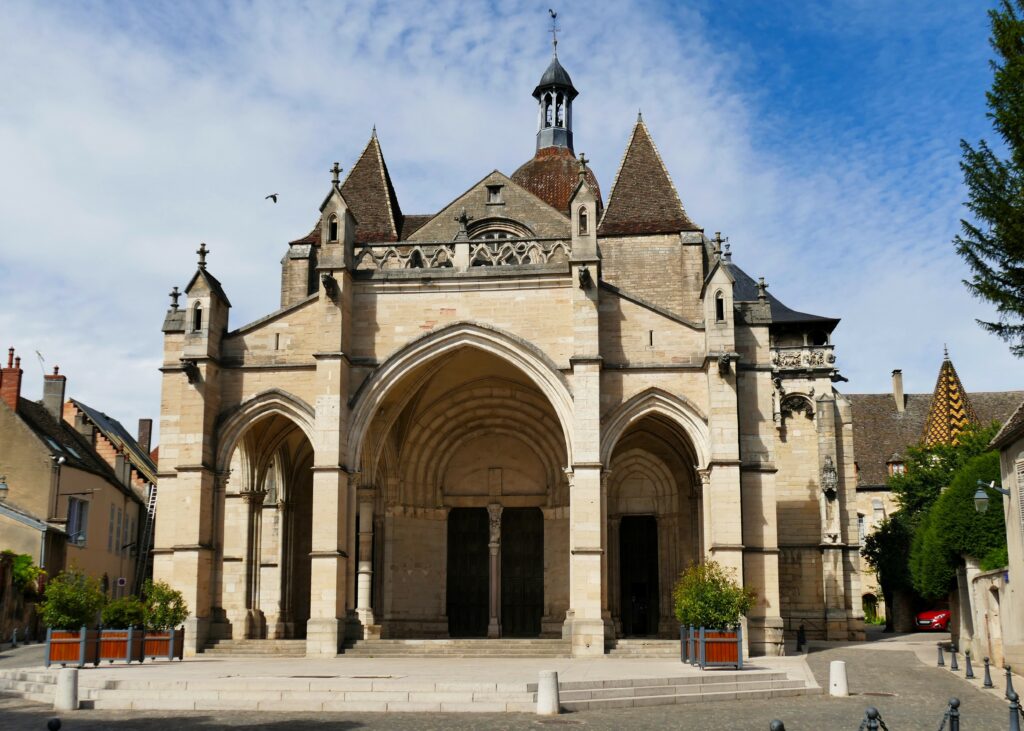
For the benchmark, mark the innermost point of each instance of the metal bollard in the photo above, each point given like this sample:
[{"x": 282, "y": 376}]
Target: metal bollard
[
  {"x": 776, "y": 725},
  {"x": 1014, "y": 711},
  {"x": 942, "y": 662},
  {"x": 872, "y": 720},
  {"x": 53, "y": 724},
  {"x": 988, "y": 676},
  {"x": 952, "y": 665},
  {"x": 970, "y": 668},
  {"x": 1009, "y": 681},
  {"x": 953, "y": 714}
]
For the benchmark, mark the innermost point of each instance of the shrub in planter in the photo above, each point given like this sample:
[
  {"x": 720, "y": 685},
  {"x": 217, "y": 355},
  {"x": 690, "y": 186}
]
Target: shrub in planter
[
  {"x": 123, "y": 613},
  {"x": 165, "y": 611},
  {"x": 70, "y": 605},
  {"x": 709, "y": 603}
]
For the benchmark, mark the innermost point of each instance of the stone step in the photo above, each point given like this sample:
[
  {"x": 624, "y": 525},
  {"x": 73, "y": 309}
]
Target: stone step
[{"x": 459, "y": 648}]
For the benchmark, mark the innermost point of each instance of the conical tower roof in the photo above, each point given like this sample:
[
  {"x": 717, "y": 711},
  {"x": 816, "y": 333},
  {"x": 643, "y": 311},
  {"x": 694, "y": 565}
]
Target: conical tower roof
[
  {"x": 951, "y": 410},
  {"x": 371, "y": 196}
]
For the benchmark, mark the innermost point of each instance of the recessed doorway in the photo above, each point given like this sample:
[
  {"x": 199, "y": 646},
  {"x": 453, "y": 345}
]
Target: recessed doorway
[
  {"x": 468, "y": 534},
  {"x": 638, "y": 578}
]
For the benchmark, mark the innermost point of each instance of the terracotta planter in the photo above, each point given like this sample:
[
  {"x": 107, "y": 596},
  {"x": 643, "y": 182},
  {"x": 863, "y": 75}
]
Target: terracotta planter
[
  {"x": 72, "y": 647},
  {"x": 121, "y": 645},
  {"x": 165, "y": 644},
  {"x": 715, "y": 647}
]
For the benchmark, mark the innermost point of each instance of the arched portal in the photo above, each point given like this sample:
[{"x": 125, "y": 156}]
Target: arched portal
[
  {"x": 463, "y": 457},
  {"x": 265, "y": 514},
  {"x": 654, "y": 522}
]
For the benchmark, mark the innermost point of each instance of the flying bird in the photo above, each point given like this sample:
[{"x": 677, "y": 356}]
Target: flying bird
[{"x": 272, "y": 196}]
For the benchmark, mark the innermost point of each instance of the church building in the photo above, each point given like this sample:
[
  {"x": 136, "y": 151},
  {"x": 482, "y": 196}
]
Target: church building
[{"x": 521, "y": 416}]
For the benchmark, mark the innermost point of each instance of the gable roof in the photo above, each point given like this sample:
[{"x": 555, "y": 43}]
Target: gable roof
[
  {"x": 745, "y": 290},
  {"x": 371, "y": 196},
  {"x": 951, "y": 410},
  {"x": 643, "y": 199},
  {"x": 114, "y": 431}
]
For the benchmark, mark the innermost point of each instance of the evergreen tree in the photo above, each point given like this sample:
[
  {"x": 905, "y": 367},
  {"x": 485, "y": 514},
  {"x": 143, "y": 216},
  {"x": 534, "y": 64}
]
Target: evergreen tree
[{"x": 993, "y": 246}]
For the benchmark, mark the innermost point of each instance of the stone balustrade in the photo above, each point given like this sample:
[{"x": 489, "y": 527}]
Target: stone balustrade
[{"x": 462, "y": 255}]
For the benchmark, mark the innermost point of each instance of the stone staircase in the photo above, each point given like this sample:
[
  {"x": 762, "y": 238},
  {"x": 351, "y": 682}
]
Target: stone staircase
[
  {"x": 522, "y": 648},
  {"x": 256, "y": 648},
  {"x": 643, "y": 648}
]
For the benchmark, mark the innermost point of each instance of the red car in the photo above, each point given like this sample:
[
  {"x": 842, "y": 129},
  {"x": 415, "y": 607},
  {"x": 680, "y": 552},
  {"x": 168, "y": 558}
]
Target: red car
[{"x": 934, "y": 619}]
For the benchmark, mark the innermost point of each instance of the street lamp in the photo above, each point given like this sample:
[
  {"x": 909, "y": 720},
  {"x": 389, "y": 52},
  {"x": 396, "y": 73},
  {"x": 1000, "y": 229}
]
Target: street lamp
[
  {"x": 829, "y": 478},
  {"x": 981, "y": 497}
]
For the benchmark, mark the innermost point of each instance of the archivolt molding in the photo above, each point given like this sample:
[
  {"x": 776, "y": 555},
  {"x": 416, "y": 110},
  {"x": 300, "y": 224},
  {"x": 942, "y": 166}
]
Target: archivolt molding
[
  {"x": 234, "y": 424},
  {"x": 526, "y": 357},
  {"x": 655, "y": 401},
  {"x": 641, "y": 462}
]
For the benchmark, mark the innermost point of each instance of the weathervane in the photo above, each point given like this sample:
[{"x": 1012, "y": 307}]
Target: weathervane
[{"x": 554, "y": 30}]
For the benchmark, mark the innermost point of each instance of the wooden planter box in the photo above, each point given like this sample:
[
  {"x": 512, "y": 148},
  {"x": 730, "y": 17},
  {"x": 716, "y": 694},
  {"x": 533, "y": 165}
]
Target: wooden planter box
[
  {"x": 72, "y": 647},
  {"x": 165, "y": 644},
  {"x": 121, "y": 645},
  {"x": 717, "y": 647}
]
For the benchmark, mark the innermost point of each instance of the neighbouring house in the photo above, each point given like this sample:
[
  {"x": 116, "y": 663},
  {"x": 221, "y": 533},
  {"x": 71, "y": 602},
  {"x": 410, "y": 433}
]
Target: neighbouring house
[
  {"x": 68, "y": 501},
  {"x": 885, "y": 425}
]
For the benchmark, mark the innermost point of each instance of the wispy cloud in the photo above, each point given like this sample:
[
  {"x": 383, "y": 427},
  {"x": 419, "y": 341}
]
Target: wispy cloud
[{"x": 130, "y": 132}]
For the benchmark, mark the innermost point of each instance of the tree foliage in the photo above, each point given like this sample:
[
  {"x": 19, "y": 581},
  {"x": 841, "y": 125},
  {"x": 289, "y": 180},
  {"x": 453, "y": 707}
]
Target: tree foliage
[
  {"x": 72, "y": 600},
  {"x": 165, "y": 607},
  {"x": 123, "y": 613},
  {"x": 953, "y": 528},
  {"x": 707, "y": 595},
  {"x": 993, "y": 245},
  {"x": 25, "y": 574}
]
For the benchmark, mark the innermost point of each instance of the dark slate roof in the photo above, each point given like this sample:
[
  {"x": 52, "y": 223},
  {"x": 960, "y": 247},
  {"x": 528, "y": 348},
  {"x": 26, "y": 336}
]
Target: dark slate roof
[
  {"x": 371, "y": 196},
  {"x": 745, "y": 290},
  {"x": 413, "y": 223},
  {"x": 879, "y": 430},
  {"x": 63, "y": 440},
  {"x": 551, "y": 175},
  {"x": 643, "y": 199},
  {"x": 1012, "y": 429},
  {"x": 555, "y": 75},
  {"x": 116, "y": 433},
  {"x": 211, "y": 281}
]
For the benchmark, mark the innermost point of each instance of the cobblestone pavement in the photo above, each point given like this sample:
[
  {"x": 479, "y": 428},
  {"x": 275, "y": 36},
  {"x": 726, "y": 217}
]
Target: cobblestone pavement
[{"x": 909, "y": 694}]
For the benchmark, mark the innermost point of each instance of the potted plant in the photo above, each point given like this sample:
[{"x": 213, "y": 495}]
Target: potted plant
[
  {"x": 121, "y": 636},
  {"x": 72, "y": 600},
  {"x": 709, "y": 603},
  {"x": 164, "y": 610}
]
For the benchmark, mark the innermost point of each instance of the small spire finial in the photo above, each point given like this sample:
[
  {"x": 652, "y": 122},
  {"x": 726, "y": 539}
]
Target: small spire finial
[
  {"x": 945, "y": 352},
  {"x": 554, "y": 32},
  {"x": 639, "y": 115},
  {"x": 583, "y": 165},
  {"x": 336, "y": 168},
  {"x": 202, "y": 251},
  {"x": 373, "y": 134},
  {"x": 762, "y": 289},
  {"x": 727, "y": 254},
  {"x": 175, "y": 294}
]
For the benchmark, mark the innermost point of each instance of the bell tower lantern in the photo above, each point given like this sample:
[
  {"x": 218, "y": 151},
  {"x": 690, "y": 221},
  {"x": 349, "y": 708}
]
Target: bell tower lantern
[{"x": 554, "y": 95}]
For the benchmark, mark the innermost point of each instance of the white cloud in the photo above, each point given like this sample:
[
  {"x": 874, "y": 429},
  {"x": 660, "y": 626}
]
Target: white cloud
[{"x": 129, "y": 133}]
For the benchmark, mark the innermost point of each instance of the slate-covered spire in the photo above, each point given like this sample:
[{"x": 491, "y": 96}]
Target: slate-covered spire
[
  {"x": 643, "y": 199},
  {"x": 371, "y": 196},
  {"x": 951, "y": 410}
]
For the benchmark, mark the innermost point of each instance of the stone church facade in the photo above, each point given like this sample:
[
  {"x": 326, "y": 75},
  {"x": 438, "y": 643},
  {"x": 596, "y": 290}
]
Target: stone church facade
[{"x": 521, "y": 416}]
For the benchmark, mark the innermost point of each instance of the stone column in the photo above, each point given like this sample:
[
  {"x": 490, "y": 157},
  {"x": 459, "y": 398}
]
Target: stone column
[
  {"x": 251, "y": 561},
  {"x": 219, "y": 628},
  {"x": 364, "y": 579},
  {"x": 614, "y": 574},
  {"x": 606, "y": 614},
  {"x": 285, "y": 626},
  {"x": 494, "y": 595}
]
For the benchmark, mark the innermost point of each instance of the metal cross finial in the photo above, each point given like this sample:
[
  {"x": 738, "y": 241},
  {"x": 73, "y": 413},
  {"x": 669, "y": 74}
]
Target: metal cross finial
[
  {"x": 463, "y": 218},
  {"x": 336, "y": 171},
  {"x": 583, "y": 164},
  {"x": 202, "y": 251},
  {"x": 175, "y": 294},
  {"x": 554, "y": 31}
]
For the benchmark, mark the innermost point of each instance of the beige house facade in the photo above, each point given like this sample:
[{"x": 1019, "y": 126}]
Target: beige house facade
[{"x": 521, "y": 416}]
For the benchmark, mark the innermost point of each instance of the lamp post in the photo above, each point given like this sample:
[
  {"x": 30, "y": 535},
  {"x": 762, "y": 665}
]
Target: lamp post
[{"x": 981, "y": 496}]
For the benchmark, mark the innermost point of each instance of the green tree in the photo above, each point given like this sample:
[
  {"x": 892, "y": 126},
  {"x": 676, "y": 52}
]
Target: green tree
[
  {"x": 953, "y": 529},
  {"x": 993, "y": 245},
  {"x": 72, "y": 600},
  {"x": 886, "y": 551},
  {"x": 165, "y": 608}
]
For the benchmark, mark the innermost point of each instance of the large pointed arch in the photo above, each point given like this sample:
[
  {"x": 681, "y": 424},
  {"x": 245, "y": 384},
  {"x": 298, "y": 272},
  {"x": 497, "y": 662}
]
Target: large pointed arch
[
  {"x": 234, "y": 423},
  {"x": 537, "y": 366},
  {"x": 655, "y": 401}
]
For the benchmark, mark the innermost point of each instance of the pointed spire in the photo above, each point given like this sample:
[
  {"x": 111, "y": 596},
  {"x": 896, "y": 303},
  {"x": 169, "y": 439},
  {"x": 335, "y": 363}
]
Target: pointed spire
[
  {"x": 371, "y": 195},
  {"x": 643, "y": 199},
  {"x": 951, "y": 411}
]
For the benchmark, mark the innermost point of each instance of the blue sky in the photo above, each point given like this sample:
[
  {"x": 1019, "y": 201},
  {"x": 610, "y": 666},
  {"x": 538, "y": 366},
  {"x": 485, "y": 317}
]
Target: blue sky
[{"x": 821, "y": 137}]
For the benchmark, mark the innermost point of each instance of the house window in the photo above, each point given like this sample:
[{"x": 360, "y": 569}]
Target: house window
[
  {"x": 719, "y": 307},
  {"x": 197, "y": 317},
  {"x": 78, "y": 520},
  {"x": 583, "y": 223},
  {"x": 332, "y": 228},
  {"x": 897, "y": 468},
  {"x": 861, "y": 527},
  {"x": 494, "y": 194}
]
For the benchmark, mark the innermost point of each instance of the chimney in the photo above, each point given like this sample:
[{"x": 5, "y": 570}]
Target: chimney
[
  {"x": 145, "y": 434},
  {"x": 897, "y": 390},
  {"x": 10, "y": 381},
  {"x": 53, "y": 393}
]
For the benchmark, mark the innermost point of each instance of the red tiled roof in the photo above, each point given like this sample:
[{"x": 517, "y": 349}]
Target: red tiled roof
[
  {"x": 643, "y": 199},
  {"x": 551, "y": 175}
]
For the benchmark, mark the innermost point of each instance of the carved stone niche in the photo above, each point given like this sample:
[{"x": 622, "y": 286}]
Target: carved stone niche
[{"x": 795, "y": 403}]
